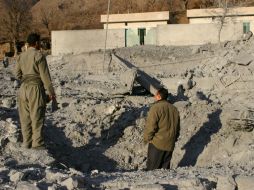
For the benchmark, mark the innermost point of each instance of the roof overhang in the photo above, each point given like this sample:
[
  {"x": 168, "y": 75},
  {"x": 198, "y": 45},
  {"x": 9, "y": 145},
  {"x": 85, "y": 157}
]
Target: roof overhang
[
  {"x": 136, "y": 17},
  {"x": 239, "y": 11}
]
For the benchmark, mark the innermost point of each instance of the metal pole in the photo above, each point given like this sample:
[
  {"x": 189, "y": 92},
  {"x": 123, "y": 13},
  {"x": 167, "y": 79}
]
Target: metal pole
[{"x": 105, "y": 45}]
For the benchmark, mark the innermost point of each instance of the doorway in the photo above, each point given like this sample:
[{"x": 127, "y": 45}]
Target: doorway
[{"x": 141, "y": 34}]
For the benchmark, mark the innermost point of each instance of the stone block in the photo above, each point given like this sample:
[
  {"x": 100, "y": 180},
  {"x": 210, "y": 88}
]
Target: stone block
[
  {"x": 226, "y": 183},
  {"x": 245, "y": 182},
  {"x": 26, "y": 186},
  {"x": 74, "y": 182}
]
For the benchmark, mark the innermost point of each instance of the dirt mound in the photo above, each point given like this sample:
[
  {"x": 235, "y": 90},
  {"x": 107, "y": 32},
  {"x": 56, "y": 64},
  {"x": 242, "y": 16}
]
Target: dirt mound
[{"x": 95, "y": 139}]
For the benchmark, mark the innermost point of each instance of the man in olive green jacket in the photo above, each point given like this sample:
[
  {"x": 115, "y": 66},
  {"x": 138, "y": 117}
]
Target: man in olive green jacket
[
  {"x": 161, "y": 131},
  {"x": 33, "y": 72}
]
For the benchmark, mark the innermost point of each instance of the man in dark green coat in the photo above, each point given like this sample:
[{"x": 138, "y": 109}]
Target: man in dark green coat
[
  {"x": 33, "y": 72},
  {"x": 161, "y": 131}
]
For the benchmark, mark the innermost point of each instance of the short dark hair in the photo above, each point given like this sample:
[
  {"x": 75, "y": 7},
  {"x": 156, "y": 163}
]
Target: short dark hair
[
  {"x": 163, "y": 93},
  {"x": 33, "y": 38}
]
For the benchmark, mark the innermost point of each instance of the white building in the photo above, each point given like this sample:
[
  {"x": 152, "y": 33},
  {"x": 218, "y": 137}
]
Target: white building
[
  {"x": 139, "y": 27},
  {"x": 244, "y": 15},
  {"x": 135, "y": 20}
]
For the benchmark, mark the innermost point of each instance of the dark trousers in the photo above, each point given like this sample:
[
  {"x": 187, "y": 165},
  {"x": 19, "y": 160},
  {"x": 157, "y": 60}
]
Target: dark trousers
[{"x": 157, "y": 159}]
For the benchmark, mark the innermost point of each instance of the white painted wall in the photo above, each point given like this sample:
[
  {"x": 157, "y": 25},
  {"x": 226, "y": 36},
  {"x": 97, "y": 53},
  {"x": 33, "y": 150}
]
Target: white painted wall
[
  {"x": 196, "y": 34},
  {"x": 232, "y": 20},
  {"x": 136, "y": 17},
  {"x": 134, "y": 25},
  {"x": 78, "y": 41},
  {"x": 200, "y": 20}
]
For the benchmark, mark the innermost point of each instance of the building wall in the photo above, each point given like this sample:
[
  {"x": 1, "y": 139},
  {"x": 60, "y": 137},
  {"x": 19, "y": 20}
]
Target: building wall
[
  {"x": 132, "y": 37},
  {"x": 232, "y": 15},
  {"x": 145, "y": 24},
  {"x": 134, "y": 25},
  {"x": 241, "y": 20},
  {"x": 200, "y": 20},
  {"x": 75, "y": 42},
  {"x": 136, "y": 17},
  {"x": 217, "y": 19},
  {"x": 237, "y": 19},
  {"x": 196, "y": 34},
  {"x": 151, "y": 36},
  {"x": 236, "y": 11},
  {"x": 78, "y": 41},
  {"x": 114, "y": 26}
]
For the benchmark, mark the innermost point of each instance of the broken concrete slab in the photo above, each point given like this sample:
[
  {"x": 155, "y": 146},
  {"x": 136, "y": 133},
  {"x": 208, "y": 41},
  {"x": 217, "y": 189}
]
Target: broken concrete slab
[
  {"x": 128, "y": 78},
  {"x": 242, "y": 59},
  {"x": 149, "y": 83},
  {"x": 148, "y": 187},
  {"x": 212, "y": 83},
  {"x": 242, "y": 120},
  {"x": 245, "y": 183},
  {"x": 74, "y": 182},
  {"x": 26, "y": 186},
  {"x": 226, "y": 183},
  {"x": 247, "y": 36}
]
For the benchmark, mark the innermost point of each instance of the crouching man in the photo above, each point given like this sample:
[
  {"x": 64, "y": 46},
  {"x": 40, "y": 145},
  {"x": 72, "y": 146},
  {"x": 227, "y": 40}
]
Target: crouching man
[{"x": 161, "y": 131}]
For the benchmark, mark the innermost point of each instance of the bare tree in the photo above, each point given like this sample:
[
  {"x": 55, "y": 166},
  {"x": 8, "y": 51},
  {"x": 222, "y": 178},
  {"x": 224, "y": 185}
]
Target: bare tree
[
  {"x": 172, "y": 12},
  {"x": 46, "y": 19},
  {"x": 150, "y": 5},
  {"x": 222, "y": 19},
  {"x": 207, "y": 3},
  {"x": 128, "y": 6},
  {"x": 16, "y": 21},
  {"x": 186, "y": 4}
]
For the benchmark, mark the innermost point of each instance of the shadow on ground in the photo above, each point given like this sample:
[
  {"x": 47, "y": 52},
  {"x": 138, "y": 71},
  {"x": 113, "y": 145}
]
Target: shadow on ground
[
  {"x": 195, "y": 146},
  {"x": 170, "y": 187},
  {"x": 90, "y": 156}
]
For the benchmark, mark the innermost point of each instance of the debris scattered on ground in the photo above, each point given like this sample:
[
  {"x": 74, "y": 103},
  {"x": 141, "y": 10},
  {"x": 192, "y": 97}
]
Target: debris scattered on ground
[{"x": 94, "y": 141}]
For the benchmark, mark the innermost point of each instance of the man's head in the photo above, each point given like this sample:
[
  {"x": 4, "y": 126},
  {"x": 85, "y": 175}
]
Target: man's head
[
  {"x": 161, "y": 94},
  {"x": 33, "y": 40}
]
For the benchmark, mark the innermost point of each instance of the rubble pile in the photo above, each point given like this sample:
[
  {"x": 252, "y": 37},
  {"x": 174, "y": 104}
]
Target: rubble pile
[{"x": 95, "y": 139}]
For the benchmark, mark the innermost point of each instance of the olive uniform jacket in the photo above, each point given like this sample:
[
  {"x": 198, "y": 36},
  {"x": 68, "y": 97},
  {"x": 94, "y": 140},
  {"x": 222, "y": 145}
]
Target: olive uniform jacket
[
  {"x": 32, "y": 65},
  {"x": 162, "y": 126}
]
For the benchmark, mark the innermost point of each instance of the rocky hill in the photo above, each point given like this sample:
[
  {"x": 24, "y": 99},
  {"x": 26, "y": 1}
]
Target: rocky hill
[{"x": 85, "y": 14}]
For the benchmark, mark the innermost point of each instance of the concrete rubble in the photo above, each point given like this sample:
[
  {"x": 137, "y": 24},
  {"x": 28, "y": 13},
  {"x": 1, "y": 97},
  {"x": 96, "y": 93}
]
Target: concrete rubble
[
  {"x": 94, "y": 141},
  {"x": 149, "y": 83}
]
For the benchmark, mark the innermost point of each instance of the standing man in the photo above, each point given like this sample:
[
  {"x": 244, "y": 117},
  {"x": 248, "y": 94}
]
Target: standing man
[
  {"x": 161, "y": 131},
  {"x": 33, "y": 71}
]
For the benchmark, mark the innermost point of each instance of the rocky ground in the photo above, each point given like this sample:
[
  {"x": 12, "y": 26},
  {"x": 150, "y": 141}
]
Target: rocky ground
[{"x": 94, "y": 141}]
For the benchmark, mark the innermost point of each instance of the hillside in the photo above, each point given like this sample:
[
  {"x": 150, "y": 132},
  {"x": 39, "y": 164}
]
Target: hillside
[{"x": 85, "y": 14}]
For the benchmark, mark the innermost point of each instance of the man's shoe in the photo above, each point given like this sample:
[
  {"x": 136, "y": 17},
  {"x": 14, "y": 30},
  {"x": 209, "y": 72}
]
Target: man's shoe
[
  {"x": 39, "y": 148},
  {"x": 25, "y": 146}
]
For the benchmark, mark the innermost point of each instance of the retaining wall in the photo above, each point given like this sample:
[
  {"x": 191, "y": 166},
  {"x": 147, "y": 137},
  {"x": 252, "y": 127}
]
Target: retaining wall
[
  {"x": 78, "y": 41},
  {"x": 196, "y": 34}
]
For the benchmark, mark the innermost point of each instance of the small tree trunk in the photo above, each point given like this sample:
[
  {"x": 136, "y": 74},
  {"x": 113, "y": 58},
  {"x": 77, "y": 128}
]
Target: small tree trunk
[
  {"x": 15, "y": 48},
  {"x": 219, "y": 32}
]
